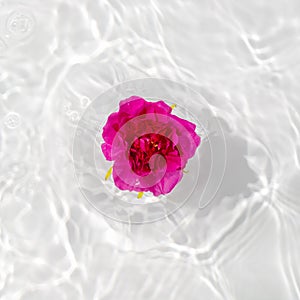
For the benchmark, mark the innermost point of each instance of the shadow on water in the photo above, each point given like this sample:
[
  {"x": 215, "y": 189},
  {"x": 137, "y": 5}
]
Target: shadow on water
[{"x": 218, "y": 208}]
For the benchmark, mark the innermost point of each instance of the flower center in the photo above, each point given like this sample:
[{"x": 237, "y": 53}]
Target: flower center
[{"x": 144, "y": 147}]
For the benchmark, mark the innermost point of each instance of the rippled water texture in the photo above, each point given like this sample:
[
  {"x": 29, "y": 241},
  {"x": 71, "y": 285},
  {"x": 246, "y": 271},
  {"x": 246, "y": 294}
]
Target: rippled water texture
[{"x": 242, "y": 58}]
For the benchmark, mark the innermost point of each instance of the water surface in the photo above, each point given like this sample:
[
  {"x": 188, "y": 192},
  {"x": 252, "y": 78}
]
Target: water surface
[{"x": 242, "y": 58}]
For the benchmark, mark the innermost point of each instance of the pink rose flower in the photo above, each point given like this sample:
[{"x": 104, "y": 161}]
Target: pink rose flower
[{"x": 149, "y": 145}]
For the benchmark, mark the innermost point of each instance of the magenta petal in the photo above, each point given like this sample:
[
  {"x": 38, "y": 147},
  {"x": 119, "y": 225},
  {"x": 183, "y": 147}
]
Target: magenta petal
[
  {"x": 175, "y": 162},
  {"x": 132, "y": 106},
  {"x": 158, "y": 107},
  {"x": 123, "y": 185},
  {"x": 188, "y": 145},
  {"x": 167, "y": 184},
  {"x": 196, "y": 139},
  {"x": 130, "y": 99},
  {"x": 106, "y": 149},
  {"x": 124, "y": 178},
  {"x": 110, "y": 128},
  {"x": 186, "y": 124}
]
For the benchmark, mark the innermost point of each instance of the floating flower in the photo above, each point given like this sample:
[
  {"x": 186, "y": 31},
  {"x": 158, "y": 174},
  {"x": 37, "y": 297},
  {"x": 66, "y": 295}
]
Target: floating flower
[{"x": 149, "y": 145}]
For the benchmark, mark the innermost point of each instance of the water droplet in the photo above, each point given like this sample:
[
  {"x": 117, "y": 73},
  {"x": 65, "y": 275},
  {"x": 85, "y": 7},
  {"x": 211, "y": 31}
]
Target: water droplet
[
  {"x": 67, "y": 108},
  {"x": 20, "y": 24},
  {"x": 74, "y": 116},
  {"x": 12, "y": 120},
  {"x": 85, "y": 101}
]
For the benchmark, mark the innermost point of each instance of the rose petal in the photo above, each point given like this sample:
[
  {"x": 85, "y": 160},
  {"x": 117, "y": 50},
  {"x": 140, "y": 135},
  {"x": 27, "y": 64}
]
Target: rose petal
[
  {"x": 106, "y": 149},
  {"x": 132, "y": 107},
  {"x": 158, "y": 107},
  {"x": 167, "y": 184},
  {"x": 110, "y": 128}
]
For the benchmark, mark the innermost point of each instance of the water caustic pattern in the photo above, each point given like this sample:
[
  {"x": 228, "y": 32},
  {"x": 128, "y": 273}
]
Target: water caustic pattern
[
  {"x": 2, "y": 46},
  {"x": 230, "y": 230}
]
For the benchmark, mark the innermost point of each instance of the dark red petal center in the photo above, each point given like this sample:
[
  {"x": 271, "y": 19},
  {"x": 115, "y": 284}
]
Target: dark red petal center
[{"x": 144, "y": 147}]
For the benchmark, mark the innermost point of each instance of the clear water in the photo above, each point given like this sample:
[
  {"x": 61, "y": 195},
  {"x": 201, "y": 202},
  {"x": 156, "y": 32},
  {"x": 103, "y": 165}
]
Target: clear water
[{"x": 242, "y": 58}]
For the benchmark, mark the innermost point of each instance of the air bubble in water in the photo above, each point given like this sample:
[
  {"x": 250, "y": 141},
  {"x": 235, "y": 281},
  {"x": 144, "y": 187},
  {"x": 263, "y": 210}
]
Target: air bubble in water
[
  {"x": 85, "y": 101},
  {"x": 12, "y": 120},
  {"x": 20, "y": 24},
  {"x": 74, "y": 116}
]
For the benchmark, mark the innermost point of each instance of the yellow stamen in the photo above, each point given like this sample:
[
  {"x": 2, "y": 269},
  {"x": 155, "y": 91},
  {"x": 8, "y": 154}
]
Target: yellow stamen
[
  {"x": 140, "y": 195},
  {"x": 108, "y": 173},
  {"x": 185, "y": 171},
  {"x": 173, "y": 106}
]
